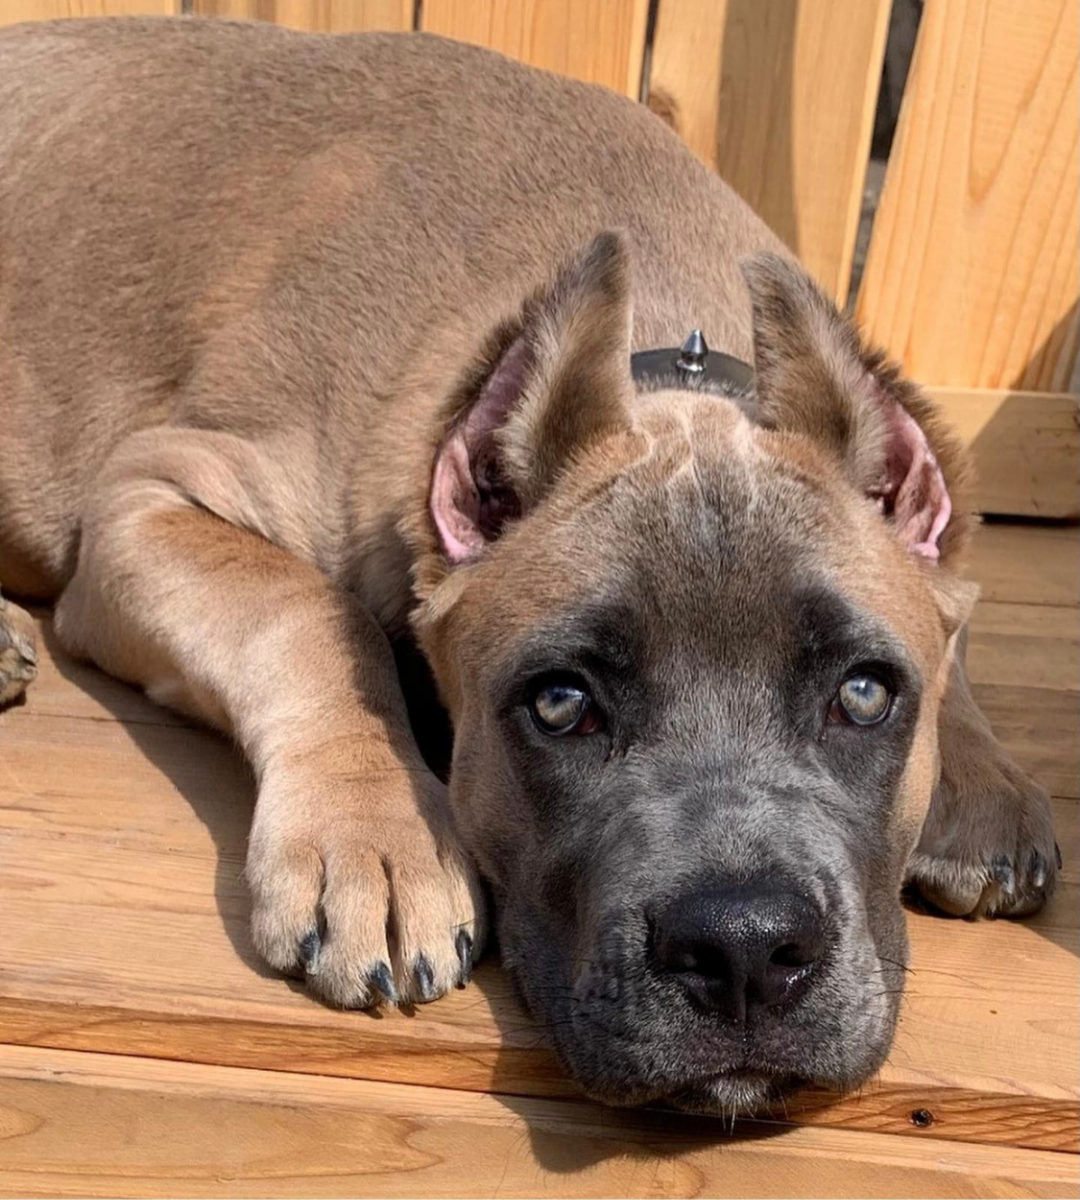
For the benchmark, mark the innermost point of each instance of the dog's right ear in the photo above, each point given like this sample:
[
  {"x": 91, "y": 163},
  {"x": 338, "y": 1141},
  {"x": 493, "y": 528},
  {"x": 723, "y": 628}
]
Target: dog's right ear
[{"x": 560, "y": 382}]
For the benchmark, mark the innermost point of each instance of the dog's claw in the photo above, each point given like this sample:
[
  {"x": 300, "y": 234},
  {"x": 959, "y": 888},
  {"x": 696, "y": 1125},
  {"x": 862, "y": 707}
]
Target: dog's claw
[
  {"x": 1001, "y": 871},
  {"x": 1039, "y": 869},
  {"x": 310, "y": 945},
  {"x": 1057, "y": 855},
  {"x": 464, "y": 946},
  {"x": 381, "y": 979},
  {"x": 425, "y": 980}
]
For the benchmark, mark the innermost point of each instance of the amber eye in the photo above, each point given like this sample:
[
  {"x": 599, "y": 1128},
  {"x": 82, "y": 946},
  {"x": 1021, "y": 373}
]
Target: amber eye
[
  {"x": 563, "y": 706},
  {"x": 863, "y": 700}
]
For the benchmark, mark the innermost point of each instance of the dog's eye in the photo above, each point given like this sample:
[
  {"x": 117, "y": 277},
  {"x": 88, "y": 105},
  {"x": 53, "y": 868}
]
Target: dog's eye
[
  {"x": 564, "y": 706},
  {"x": 862, "y": 700}
]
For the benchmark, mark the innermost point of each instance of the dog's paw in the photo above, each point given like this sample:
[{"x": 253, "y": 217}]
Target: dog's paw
[
  {"x": 18, "y": 652},
  {"x": 987, "y": 848},
  {"x": 365, "y": 900}
]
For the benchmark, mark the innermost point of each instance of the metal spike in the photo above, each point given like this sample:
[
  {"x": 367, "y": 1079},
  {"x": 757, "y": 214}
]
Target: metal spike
[{"x": 691, "y": 361}]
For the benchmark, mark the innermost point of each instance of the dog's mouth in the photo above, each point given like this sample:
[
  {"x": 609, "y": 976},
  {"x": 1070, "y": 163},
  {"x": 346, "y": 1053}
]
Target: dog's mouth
[
  {"x": 737, "y": 1093},
  {"x": 727, "y": 1093}
]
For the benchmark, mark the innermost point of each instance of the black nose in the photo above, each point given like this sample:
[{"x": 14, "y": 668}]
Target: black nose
[{"x": 741, "y": 947}]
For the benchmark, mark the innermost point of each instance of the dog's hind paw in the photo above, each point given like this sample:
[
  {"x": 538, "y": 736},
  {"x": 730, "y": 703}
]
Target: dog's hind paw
[
  {"x": 18, "y": 652},
  {"x": 371, "y": 908},
  {"x": 987, "y": 848}
]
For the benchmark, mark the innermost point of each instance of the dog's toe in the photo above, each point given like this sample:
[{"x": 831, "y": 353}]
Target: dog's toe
[
  {"x": 437, "y": 925},
  {"x": 1030, "y": 886},
  {"x": 996, "y": 885},
  {"x": 18, "y": 652},
  {"x": 998, "y": 888},
  {"x": 987, "y": 848},
  {"x": 363, "y": 925}
]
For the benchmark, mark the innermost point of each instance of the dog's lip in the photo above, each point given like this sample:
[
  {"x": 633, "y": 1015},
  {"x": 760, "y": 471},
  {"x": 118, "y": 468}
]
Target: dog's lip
[{"x": 734, "y": 1091}]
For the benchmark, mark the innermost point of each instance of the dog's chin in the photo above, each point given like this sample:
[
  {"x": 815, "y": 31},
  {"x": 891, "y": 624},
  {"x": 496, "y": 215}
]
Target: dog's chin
[
  {"x": 737, "y": 1094},
  {"x": 727, "y": 1095},
  {"x": 731, "y": 1094}
]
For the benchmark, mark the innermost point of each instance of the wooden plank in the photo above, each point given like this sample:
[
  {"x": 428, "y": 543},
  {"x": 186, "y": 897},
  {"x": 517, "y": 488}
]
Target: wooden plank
[
  {"x": 14, "y": 11},
  {"x": 93, "y": 1125},
  {"x": 779, "y": 98},
  {"x": 320, "y": 16},
  {"x": 1020, "y": 645},
  {"x": 1027, "y": 564},
  {"x": 1026, "y": 447},
  {"x": 600, "y": 41},
  {"x": 971, "y": 275}
]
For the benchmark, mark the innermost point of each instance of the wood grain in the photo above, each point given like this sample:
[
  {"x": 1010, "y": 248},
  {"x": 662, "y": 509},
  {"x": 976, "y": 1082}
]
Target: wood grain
[
  {"x": 95, "y": 1125},
  {"x": 121, "y": 853},
  {"x": 972, "y": 272},
  {"x": 779, "y": 98},
  {"x": 1038, "y": 727},
  {"x": 600, "y": 41},
  {"x": 1019, "y": 645},
  {"x": 13, "y": 11},
  {"x": 1025, "y": 445},
  {"x": 319, "y": 16},
  {"x": 1027, "y": 564}
]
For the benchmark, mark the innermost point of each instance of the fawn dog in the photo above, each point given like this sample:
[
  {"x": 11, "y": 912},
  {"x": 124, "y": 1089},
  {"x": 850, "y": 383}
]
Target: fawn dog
[{"x": 319, "y": 398}]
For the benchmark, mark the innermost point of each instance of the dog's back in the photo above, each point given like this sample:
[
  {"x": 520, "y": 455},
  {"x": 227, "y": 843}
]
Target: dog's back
[{"x": 215, "y": 222}]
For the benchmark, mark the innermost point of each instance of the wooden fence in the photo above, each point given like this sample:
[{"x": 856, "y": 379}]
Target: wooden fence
[{"x": 973, "y": 268}]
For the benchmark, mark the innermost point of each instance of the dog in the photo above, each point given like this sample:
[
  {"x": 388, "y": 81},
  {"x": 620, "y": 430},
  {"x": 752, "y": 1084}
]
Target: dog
[{"x": 321, "y": 412}]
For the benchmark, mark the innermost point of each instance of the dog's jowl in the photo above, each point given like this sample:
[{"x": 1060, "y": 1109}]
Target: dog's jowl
[{"x": 316, "y": 358}]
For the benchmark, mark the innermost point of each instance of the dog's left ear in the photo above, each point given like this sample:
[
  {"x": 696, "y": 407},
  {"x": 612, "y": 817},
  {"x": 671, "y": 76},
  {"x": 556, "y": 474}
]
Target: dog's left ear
[
  {"x": 814, "y": 377},
  {"x": 558, "y": 380}
]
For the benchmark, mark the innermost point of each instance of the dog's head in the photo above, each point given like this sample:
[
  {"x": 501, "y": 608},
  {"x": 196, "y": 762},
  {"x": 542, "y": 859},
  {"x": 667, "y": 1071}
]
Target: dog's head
[{"x": 693, "y": 660}]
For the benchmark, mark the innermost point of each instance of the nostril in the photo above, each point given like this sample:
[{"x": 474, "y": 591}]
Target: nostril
[
  {"x": 790, "y": 956},
  {"x": 682, "y": 960},
  {"x": 787, "y": 970}
]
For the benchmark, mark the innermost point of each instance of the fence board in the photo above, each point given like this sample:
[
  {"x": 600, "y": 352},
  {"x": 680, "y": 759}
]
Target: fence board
[
  {"x": 1026, "y": 447},
  {"x": 602, "y": 41},
  {"x": 971, "y": 276},
  {"x": 779, "y": 98},
  {"x": 322, "y": 16},
  {"x": 14, "y": 11}
]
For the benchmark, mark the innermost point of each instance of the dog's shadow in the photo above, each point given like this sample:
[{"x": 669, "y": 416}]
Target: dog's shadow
[{"x": 211, "y": 775}]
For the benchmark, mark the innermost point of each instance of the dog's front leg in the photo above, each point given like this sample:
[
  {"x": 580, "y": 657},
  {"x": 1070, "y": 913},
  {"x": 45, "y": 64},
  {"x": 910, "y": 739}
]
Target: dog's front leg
[
  {"x": 353, "y": 867},
  {"x": 987, "y": 846}
]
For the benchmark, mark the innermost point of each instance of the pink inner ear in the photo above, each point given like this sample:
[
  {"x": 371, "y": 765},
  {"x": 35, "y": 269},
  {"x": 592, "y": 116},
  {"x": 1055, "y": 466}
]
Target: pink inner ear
[
  {"x": 913, "y": 490},
  {"x": 455, "y": 503},
  {"x": 469, "y": 500}
]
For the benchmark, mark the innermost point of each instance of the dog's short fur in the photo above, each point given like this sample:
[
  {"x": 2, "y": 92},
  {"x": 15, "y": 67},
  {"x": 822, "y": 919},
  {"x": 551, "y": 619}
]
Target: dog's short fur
[{"x": 314, "y": 349}]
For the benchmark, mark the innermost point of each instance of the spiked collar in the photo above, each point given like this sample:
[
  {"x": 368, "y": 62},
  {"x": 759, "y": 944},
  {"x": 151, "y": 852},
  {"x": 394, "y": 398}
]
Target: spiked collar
[{"x": 692, "y": 365}]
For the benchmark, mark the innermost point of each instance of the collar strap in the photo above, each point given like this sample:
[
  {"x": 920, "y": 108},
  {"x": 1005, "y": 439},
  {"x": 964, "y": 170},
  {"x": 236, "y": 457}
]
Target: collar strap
[{"x": 692, "y": 365}]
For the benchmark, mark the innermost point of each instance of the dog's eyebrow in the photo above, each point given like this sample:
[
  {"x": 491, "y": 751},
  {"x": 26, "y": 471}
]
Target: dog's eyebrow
[
  {"x": 601, "y": 639},
  {"x": 832, "y": 628}
]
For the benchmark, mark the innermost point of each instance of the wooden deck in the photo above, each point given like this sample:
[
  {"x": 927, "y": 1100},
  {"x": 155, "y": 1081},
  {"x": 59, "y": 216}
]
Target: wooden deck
[{"x": 145, "y": 1051}]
